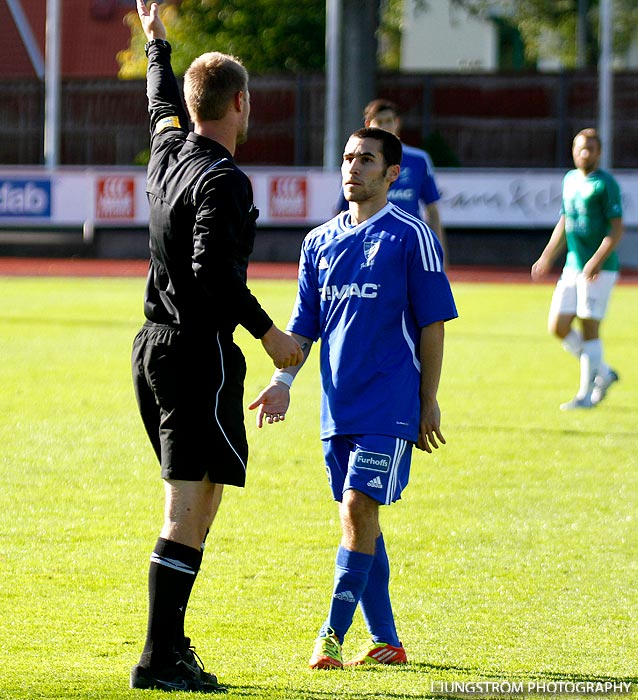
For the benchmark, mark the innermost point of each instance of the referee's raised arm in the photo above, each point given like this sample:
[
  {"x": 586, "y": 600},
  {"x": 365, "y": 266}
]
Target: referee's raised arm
[{"x": 165, "y": 106}]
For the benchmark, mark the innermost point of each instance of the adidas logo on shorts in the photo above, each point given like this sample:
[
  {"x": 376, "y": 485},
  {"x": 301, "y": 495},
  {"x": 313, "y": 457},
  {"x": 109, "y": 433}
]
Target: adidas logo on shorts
[{"x": 375, "y": 483}]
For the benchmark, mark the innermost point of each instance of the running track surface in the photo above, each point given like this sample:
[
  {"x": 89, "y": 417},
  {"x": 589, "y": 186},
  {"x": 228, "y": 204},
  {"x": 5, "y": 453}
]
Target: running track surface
[{"x": 85, "y": 267}]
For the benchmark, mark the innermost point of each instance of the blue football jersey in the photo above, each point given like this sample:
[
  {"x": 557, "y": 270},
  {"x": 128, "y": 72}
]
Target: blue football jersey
[
  {"x": 415, "y": 183},
  {"x": 366, "y": 291}
]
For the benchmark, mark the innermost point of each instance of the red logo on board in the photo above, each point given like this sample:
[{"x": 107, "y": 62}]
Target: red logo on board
[
  {"x": 115, "y": 198},
  {"x": 288, "y": 197}
]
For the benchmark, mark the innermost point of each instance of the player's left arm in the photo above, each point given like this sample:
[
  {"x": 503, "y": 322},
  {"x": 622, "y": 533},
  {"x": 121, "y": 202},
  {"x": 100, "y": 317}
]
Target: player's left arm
[
  {"x": 431, "y": 353},
  {"x": 611, "y": 204},
  {"x": 433, "y": 220},
  {"x": 429, "y": 196},
  {"x": 609, "y": 243}
]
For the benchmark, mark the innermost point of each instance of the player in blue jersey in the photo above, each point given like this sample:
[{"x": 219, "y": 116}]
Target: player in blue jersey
[
  {"x": 373, "y": 290},
  {"x": 415, "y": 188},
  {"x": 590, "y": 227}
]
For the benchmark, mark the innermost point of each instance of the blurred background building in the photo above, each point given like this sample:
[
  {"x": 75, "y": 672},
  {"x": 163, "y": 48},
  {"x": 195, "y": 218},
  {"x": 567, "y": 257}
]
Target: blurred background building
[{"x": 468, "y": 93}]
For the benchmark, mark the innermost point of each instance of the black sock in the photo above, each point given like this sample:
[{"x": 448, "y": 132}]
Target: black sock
[
  {"x": 180, "y": 624},
  {"x": 171, "y": 576}
]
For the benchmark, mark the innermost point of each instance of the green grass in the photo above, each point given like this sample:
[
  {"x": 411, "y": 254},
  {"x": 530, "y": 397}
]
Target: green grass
[{"x": 513, "y": 551}]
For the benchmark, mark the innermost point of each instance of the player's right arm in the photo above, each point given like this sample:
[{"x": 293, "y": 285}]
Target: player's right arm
[
  {"x": 273, "y": 402},
  {"x": 554, "y": 247},
  {"x": 164, "y": 99}
]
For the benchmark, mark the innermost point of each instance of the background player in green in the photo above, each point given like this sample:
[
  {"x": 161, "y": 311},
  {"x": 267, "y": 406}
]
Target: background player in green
[{"x": 590, "y": 226}]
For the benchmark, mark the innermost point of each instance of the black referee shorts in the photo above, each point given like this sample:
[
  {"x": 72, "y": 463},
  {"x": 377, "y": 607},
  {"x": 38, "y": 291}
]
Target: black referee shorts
[{"x": 190, "y": 392}]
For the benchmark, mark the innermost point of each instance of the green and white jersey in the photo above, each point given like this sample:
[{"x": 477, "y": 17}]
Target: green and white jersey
[{"x": 590, "y": 202}]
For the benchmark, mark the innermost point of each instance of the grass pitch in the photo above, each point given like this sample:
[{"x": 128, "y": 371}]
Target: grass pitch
[{"x": 513, "y": 552}]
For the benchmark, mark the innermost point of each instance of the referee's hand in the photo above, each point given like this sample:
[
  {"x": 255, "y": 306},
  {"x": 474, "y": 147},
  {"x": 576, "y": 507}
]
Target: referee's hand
[
  {"x": 284, "y": 350},
  {"x": 152, "y": 25}
]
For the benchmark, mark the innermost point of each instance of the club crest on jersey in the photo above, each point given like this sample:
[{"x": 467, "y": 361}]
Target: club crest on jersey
[{"x": 370, "y": 249}]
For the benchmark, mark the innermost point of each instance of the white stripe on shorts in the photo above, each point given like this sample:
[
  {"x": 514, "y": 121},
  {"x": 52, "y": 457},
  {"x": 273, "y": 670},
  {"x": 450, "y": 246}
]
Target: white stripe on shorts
[
  {"x": 399, "y": 450},
  {"x": 221, "y": 362}
]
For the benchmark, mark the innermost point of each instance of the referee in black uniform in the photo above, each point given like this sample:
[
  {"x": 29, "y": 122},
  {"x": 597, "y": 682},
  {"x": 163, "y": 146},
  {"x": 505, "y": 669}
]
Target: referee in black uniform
[{"x": 188, "y": 373}]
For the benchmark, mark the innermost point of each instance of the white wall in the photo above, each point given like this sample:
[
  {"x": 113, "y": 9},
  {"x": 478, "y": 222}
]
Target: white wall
[{"x": 445, "y": 38}]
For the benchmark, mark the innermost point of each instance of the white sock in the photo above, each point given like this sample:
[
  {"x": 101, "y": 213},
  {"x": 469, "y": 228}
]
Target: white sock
[
  {"x": 573, "y": 342},
  {"x": 603, "y": 367},
  {"x": 590, "y": 359}
]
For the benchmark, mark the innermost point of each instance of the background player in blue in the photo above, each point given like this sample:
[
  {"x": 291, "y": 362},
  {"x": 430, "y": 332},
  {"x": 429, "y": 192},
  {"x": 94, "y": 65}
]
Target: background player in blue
[
  {"x": 373, "y": 289},
  {"x": 416, "y": 186},
  {"x": 590, "y": 227}
]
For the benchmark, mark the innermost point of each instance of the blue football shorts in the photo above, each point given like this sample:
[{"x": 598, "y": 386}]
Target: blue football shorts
[{"x": 377, "y": 465}]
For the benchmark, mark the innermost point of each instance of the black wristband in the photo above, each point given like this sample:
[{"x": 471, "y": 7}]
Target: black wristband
[{"x": 156, "y": 42}]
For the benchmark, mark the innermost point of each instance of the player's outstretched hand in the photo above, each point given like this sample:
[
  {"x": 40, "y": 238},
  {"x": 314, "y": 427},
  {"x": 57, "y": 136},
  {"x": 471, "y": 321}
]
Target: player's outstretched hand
[
  {"x": 430, "y": 429},
  {"x": 284, "y": 350},
  {"x": 151, "y": 23},
  {"x": 272, "y": 404}
]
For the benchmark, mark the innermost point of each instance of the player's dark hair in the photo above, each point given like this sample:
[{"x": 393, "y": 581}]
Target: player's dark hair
[
  {"x": 589, "y": 133},
  {"x": 391, "y": 148},
  {"x": 211, "y": 82},
  {"x": 379, "y": 105}
]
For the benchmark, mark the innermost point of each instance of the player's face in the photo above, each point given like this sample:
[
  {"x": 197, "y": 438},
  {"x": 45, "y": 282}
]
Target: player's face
[
  {"x": 586, "y": 154},
  {"x": 386, "y": 120},
  {"x": 242, "y": 135},
  {"x": 363, "y": 172}
]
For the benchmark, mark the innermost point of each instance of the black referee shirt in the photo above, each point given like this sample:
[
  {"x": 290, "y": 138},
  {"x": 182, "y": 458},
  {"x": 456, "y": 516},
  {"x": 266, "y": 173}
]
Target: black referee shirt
[{"x": 202, "y": 220}]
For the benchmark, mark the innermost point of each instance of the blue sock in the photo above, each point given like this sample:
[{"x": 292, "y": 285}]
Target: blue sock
[
  {"x": 351, "y": 575},
  {"x": 375, "y": 599}
]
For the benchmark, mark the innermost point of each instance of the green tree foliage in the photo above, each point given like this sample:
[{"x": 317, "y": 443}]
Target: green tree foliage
[
  {"x": 390, "y": 29},
  {"x": 270, "y": 36},
  {"x": 549, "y": 27}
]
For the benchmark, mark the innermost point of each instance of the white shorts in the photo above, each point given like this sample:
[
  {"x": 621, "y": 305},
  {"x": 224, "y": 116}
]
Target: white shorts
[{"x": 576, "y": 296}]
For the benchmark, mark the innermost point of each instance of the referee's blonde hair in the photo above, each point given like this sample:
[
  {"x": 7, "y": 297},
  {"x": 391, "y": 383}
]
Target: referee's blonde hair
[{"x": 211, "y": 82}]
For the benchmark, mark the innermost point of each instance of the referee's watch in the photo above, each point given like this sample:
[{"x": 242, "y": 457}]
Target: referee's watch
[{"x": 156, "y": 42}]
